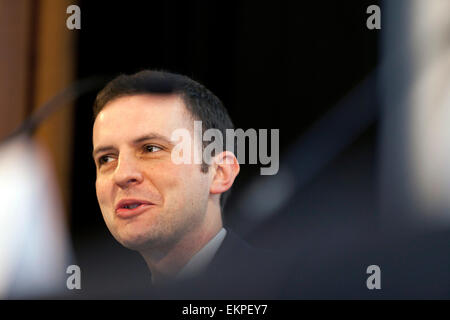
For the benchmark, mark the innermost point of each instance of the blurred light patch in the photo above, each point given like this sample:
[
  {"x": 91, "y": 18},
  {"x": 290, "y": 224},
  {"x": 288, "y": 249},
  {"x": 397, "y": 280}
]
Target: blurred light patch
[
  {"x": 415, "y": 79},
  {"x": 34, "y": 244},
  {"x": 430, "y": 106}
]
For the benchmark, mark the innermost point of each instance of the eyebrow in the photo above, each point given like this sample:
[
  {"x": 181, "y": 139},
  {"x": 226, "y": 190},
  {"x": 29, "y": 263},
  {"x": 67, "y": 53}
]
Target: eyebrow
[{"x": 150, "y": 136}]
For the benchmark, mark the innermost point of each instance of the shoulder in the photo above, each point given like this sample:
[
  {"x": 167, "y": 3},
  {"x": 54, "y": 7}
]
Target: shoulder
[
  {"x": 242, "y": 271},
  {"x": 237, "y": 271},
  {"x": 234, "y": 249}
]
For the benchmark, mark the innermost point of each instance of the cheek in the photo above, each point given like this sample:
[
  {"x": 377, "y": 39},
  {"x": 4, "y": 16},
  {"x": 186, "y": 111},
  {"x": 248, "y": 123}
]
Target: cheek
[
  {"x": 104, "y": 201},
  {"x": 179, "y": 182},
  {"x": 166, "y": 179},
  {"x": 191, "y": 185},
  {"x": 101, "y": 191}
]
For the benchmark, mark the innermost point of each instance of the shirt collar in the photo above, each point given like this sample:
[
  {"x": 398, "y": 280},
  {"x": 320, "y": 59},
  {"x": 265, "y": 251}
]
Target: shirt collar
[{"x": 202, "y": 258}]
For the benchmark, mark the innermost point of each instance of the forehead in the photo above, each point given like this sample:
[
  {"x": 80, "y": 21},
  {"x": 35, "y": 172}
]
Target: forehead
[{"x": 131, "y": 116}]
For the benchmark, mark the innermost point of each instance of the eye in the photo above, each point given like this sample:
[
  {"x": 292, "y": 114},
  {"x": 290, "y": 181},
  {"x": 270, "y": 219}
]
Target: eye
[
  {"x": 104, "y": 159},
  {"x": 151, "y": 148}
]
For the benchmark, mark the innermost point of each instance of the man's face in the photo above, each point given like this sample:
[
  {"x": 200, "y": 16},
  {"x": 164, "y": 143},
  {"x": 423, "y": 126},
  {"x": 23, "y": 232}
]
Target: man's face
[{"x": 147, "y": 200}]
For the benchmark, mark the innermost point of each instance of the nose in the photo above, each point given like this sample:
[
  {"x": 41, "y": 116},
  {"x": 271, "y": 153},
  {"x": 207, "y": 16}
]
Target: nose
[{"x": 127, "y": 172}]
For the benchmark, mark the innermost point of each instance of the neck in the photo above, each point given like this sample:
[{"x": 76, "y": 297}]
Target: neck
[{"x": 165, "y": 263}]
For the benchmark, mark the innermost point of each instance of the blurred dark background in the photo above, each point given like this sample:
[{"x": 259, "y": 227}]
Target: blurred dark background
[
  {"x": 280, "y": 65},
  {"x": 274, "y": 65},
  {"x": 362, "y": 117}
]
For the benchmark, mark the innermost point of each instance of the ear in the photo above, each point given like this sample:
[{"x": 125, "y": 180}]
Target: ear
[{"x": 226, "y": 169}]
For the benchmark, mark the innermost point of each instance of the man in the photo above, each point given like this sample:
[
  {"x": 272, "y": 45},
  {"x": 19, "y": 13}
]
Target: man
[{"x": 171, "y": 213}]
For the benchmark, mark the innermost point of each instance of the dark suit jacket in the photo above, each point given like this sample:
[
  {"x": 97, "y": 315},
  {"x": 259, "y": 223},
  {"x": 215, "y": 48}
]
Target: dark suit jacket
[{"x": 237, "y": 271}]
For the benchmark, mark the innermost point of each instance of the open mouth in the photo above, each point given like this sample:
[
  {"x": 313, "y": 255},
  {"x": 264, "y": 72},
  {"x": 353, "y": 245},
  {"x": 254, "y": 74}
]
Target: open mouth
[{"x": 130, "y": 207}]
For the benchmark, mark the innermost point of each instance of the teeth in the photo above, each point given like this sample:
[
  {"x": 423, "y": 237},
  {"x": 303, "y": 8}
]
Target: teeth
[{"x": 132, "y": 206}]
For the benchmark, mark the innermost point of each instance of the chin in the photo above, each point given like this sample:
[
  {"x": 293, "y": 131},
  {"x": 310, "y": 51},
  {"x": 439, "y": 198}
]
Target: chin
[{"x": 137, "y": 240}]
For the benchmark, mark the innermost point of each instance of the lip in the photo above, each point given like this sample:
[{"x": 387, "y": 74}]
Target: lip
[{"x": 128, "y": 213}]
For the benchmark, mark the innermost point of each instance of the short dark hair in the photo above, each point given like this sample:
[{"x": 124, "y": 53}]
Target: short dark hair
[{"x": 202, "y": 104}]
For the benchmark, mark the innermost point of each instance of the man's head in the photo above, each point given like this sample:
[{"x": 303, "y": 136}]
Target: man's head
[{"x": 135, "y": 117}]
